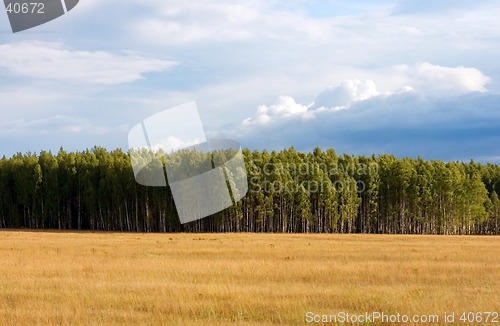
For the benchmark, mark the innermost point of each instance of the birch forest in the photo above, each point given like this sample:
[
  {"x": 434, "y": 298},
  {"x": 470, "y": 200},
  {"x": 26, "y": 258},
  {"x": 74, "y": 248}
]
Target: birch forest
[{"x": 288, "y": 192}]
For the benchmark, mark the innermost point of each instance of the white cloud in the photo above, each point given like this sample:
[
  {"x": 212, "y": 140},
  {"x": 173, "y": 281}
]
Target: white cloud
[
  {"x": 173, "y": 143},
  {"x": 285, "y": 108},
  {"x": 405, "y": 124},
  {"x": 424, "y": 78},
  {"x": 348, "y": 92},
  {"x": 52, "y": 61},
  {"x": 438, "y": 80},
  {"x": 180, "y": 23},
  {"x": 356, "y": 118},
  {"x": 59, "y": 124}
]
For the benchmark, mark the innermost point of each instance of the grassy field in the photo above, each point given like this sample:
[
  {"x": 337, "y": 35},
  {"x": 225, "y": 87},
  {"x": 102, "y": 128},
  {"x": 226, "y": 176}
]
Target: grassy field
[{"x": 255, "y": 279}]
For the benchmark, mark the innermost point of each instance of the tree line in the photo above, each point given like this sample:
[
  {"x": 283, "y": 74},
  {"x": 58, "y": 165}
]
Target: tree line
[{"x": 288, "y": 191}]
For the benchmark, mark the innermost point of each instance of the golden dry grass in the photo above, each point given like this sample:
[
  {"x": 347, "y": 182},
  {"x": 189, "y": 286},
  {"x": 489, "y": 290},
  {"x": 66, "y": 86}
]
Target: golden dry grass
[{"x": 222, "y": 279}]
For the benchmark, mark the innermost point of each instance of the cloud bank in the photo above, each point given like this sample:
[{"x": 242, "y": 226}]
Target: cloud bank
[
  {"x": 354, "y": 117},
  {"x": 52, "y": 61},
  {"x": 234, "y": 58}
]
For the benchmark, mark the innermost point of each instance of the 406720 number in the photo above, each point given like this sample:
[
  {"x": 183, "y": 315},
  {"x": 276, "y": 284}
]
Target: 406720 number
[
  {"x": 25, "y": 8},
  {"x": 479, "y": 317}
]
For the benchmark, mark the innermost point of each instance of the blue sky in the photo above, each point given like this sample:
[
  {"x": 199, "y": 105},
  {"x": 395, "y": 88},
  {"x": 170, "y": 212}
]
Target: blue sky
[{"x": 361, "y": 77}]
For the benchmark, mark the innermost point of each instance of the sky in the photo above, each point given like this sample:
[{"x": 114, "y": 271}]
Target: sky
[{"x": 408, "y": 78}]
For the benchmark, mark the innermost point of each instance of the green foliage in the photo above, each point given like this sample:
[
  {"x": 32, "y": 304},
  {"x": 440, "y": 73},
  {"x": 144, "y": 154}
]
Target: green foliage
[{"x": 289, "y": 191}]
